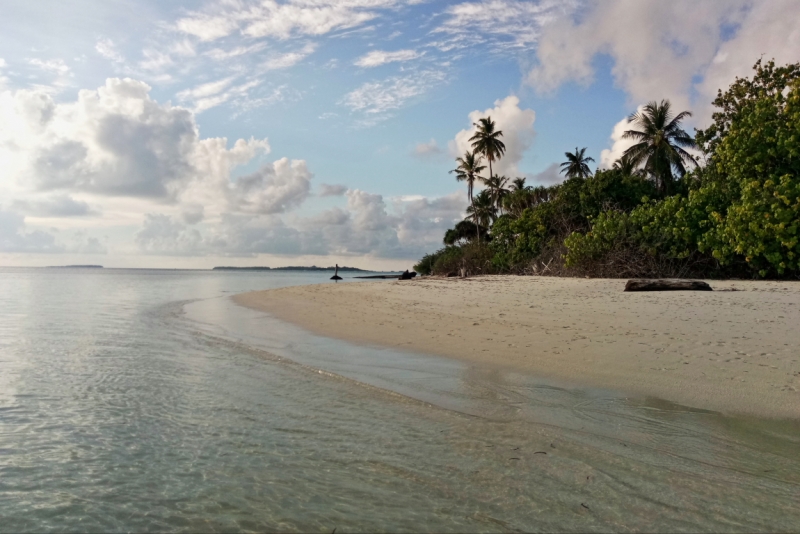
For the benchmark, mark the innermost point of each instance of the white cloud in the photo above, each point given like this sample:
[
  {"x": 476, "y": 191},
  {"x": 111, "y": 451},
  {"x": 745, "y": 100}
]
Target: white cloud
[
  {"x": 618, "y": 145},
  {"x": 376, "y": 58},
  {"x": 332, "y": 190},
  {"x": 116, "y": 142},
  {"x": 290, "y": 59},
  {"x": 366, "y": 226},
  {"x": 550, "y": 176},
  {"x": 427, "y": 150},
  {"x": 53, "y": 206},
  {"x": 679, "y": 50},
  {"x": 518, "y": 134},
  {"x": 273, "y": 188},
  {"x": 160, "y": 234},
  {"x": 377, "y": 98},
  {"x": 498, "y": 25},
  {"x": 106, "y": 48},
  {"x": 212, "y": 94},
  {"x": 268, "y": 18},
  {"x": 14, "y": 237}
]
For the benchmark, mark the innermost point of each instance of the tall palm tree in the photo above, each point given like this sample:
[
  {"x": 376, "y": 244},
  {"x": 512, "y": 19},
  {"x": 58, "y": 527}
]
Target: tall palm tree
[
  {"x": 496, "y": 185},
  {"x": 486, "y": 141},
  {"x": 517, "y": 184},
  {"x": 660, "y": 143},
  {"x": 576, "y": 165},
  {"x": 482, "y": 211},
  {"x": 469, "y": 166}
]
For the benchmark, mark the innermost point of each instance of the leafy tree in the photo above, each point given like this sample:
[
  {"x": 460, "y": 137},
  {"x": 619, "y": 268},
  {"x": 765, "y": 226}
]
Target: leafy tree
[
  {"x": 468, "y": 170},
  {"x": 660, "y": 143},
  {"x": 518, "y": 184},
  {"x": 486, "y": 141},
  {"x": 576, "y": 165},
  {"x": 464, "y": 231}
]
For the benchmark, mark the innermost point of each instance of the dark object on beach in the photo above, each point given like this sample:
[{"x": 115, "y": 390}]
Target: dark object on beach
[
  {"x": 407, "y": 275},
  {"x": 336, "y": 276},
  {"x": 452, "y": 274},
  {"x": 383, "y": 276},
  {"x": 667, "y": 285}
]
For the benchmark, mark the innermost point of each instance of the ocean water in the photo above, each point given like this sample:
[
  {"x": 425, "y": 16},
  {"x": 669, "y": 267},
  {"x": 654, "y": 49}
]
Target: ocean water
[{"x": 144, "y": 400}]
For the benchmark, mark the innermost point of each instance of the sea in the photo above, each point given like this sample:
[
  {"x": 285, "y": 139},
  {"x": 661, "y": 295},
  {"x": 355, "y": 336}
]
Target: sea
[{"x": 147, "y": 401}]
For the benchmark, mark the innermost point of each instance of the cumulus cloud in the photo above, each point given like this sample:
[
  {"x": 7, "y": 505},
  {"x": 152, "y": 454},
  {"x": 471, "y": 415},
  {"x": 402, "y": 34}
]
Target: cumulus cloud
[
  {"x": 368, "y": 225},
  {"x": 518, "y": 134},
  {"x": 618, "y": 145},
  {"x": 160, "y": 234},
  {"x": 332, "y": 190},
  {"x": 273, "y": 188},
  {"x": 15, "y": 237},
  {"x": 550, "y": 176},
  {"x": 376, "y": 58},
  {"x": 669, "y": 49},
  {"x": 427, "y": 150},
  {"x": 53, "y": 206},
  {"x": 115, "y": 141}
]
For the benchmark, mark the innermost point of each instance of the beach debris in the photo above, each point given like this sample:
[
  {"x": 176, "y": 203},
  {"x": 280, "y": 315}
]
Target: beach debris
[
  {"x": 539, "y": 452},
  {"x": 666, "y": 285},
  {"x": 585, "y": 505},
  {"x": 407, "y": 275}
]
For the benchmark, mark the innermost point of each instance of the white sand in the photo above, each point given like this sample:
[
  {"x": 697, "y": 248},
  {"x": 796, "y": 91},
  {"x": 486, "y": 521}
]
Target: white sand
[{"x": 730, "y": 351}]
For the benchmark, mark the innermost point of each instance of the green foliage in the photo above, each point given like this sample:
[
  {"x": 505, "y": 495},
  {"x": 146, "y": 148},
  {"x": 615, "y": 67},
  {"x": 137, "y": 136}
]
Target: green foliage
[
  {"x": 739, "y": 214},
  {"x": 473, "y": 258},
  {"x": 743, "y": 209}
]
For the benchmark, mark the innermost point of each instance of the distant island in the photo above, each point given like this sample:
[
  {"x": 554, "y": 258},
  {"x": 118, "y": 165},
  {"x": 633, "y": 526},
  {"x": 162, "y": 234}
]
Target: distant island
[
  {"x": 75, "y": 267},
  {"x": 293, "y": 268}
]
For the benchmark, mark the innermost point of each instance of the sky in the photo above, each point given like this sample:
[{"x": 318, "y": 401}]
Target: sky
[{"x": 143, "y": 133}]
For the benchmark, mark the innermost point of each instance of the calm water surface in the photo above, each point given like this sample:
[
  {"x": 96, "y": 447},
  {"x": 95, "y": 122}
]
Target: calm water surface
[{"x": 146, "y": 401}]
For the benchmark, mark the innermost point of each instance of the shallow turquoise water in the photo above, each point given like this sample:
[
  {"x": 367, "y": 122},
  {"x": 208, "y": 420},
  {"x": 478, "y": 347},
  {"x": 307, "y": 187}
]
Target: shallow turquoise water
[{"x": 147, "y": 401}]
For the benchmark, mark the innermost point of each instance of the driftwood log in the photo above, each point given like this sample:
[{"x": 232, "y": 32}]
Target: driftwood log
[{"x": 667, "y": 285}]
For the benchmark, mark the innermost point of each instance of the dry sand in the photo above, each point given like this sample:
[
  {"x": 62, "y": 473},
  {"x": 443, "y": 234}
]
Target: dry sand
[{"x": 728, "y": 351}]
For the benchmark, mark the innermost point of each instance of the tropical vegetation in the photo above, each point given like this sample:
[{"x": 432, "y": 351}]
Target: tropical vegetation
[{"x": 722, "y": 203}]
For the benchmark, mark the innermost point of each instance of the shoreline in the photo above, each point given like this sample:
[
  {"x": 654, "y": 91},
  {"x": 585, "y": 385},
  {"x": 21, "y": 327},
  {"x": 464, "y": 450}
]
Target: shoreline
[{"x": 734, "y": 352}]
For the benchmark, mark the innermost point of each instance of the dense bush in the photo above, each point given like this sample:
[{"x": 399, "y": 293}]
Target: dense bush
[
  {"x": 742, "y": 210},
  {"x": 738, "y": 214}
]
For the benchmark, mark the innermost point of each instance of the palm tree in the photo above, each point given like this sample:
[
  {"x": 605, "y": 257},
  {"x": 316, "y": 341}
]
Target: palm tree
[
  {"x": 576, "y": 164},
  {"x": 625, "y": 166},
  {"x": 482, "y": 211},
  {"x": 486, "y": 141},
  {"x": 660, "y": 143},
  {"x": 469, "y": 166},
  {"x": 496, "y": 185},
  {"x": 517, "y": 184}
]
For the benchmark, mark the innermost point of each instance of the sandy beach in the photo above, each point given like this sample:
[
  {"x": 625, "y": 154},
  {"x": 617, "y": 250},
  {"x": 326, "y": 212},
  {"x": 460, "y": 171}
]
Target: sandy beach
[{"x": 733, "y": 350}]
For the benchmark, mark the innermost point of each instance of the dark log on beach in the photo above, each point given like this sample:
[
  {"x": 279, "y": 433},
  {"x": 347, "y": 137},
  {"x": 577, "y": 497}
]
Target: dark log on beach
[
  {"x": 667, "y": 285},
  {"x": 408, "y": 275}
]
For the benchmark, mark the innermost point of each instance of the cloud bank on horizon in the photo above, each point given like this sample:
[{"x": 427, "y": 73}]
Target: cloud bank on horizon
[{"x": 271, "y": 131}]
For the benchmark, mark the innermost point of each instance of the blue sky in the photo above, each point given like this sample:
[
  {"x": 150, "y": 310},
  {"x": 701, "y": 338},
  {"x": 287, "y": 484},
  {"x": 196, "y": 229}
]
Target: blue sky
[{"x": 275, "y": 132}]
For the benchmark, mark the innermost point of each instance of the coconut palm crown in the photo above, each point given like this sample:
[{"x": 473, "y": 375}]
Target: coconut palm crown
[
  {"x": 482, "y": 211},
  {"x": 468, "y": 170},
  {"x": 486, "y": 141},
  {"x": 576, "y": 165},
  {"x": 660, "y": 143}
]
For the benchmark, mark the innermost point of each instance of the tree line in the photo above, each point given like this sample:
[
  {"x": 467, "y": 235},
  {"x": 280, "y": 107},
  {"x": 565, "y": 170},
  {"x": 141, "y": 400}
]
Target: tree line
[{"x": 724, "y": 202}]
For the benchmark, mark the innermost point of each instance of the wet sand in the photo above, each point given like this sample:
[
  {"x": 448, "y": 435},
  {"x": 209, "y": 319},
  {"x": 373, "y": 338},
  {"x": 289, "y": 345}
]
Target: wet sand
[{"x": 727, "y": 351}]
